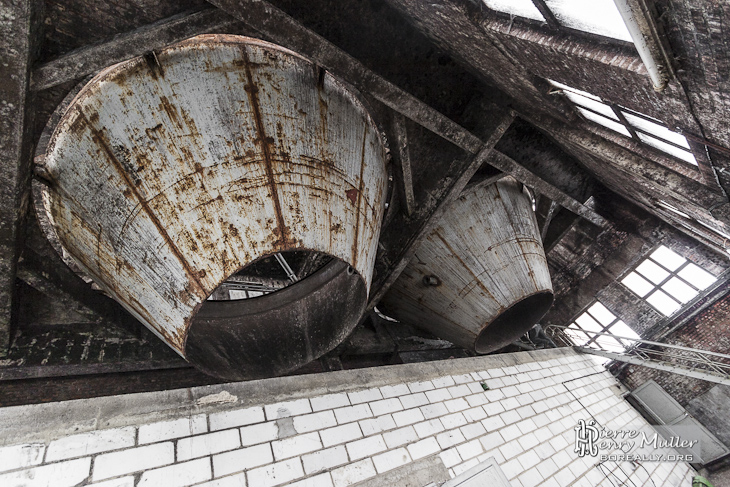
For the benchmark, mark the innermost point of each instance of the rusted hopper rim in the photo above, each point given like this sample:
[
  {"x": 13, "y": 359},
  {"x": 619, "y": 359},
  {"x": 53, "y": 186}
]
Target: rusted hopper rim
[{"x": 534, "y": 306}]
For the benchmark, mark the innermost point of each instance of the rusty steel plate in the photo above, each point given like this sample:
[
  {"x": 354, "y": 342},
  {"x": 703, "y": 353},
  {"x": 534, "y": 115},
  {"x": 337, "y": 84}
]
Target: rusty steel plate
[
  {"x": 171, "y": 172},
  {"x": 480, "y": 279}
]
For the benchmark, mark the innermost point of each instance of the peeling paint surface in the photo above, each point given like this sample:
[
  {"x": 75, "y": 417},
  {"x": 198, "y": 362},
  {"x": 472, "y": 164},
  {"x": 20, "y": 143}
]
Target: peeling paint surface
[{"x": 172, "y": 171}]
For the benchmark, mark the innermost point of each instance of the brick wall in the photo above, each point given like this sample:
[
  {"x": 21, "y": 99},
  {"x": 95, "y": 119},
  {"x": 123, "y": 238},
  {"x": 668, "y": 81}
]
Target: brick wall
[
  {"x": 709, "y": 330},
  {"x": 337, "y": 429}
]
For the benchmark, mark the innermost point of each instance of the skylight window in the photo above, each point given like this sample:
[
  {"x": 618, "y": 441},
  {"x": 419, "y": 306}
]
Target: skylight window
[
  {"x": 521, "y": 8},
  {"x": 667, "y": 281},
  {"x": 600, "y": 17},
  {"x": 629, "y": 123},
  {"x": 598, "y": 327},
  {"x": 595, "y": 16}
]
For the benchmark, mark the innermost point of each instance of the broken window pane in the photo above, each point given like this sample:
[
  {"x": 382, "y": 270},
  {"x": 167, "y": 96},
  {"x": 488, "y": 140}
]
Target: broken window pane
[
  {"x": 522, "y": 8},
  {"x": 699, "y": 278},
  {"x": 596, "y": 16},
  {"x": 662, "y": 302},
  {"x": 679, "y": 290},
  {"x": 637, "y": 284},
  {"x": 615, "y": 126},
  {"x": 652, "y": 272},
  {"x": 667, "y": 258}
]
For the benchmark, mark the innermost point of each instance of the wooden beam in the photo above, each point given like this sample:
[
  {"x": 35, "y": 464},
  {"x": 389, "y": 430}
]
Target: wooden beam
[
  {"x": 276, "y": 25},
  {"x": 528, "y": 178},
  {"x": 17, "y": 30},
  {"x": 87, "y": 60},
  {"x": 403, "y": 161}
]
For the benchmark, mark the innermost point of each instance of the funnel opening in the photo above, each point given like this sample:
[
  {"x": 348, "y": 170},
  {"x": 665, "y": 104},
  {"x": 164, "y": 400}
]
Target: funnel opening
[
  {"x": 280, "y": 331},
  {"x": 269, "y": 274},
  {"x": 513, "y": 322}
]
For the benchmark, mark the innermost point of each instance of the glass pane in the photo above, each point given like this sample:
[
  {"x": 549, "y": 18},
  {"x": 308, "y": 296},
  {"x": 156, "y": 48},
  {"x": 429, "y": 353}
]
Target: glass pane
[
  {"x": 699, "y": 278},
  {"x": 596, "y": 16},
  {"x": 669, "y": 149},
  {"x": 588, "y": 323},
  {"x": 652, "y": 271},
  {"x": 668, "y": 258},
  {"x": 663, "y": 303},
  {"x": 656, "y": 129},
  {"x": 615, "y": 126},
  {"x": 679, "y": 290},
  {"x": 594, "y": 105},
  {"x": 522, "y": 8},
  {"x": 601, "y": 313},
  {"x": 621, "y": 329},
  {"x": 638, "y": 284}
]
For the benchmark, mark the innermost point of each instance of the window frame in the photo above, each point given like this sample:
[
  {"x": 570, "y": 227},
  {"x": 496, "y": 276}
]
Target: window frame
[
  {"x": 671, "y": 274},
  {"x": 552, "y": 24},
  {"x": 604, "y": 328},
  {"x": 620, "y": 113}
]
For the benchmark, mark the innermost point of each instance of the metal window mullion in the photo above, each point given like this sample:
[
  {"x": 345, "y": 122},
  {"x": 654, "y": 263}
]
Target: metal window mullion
[
  {"x": 637, "y": 129},
  {"x": 617, "y": 111},
  {"x": 596, "y": 113},
  {"x": 545, "y": 11}
]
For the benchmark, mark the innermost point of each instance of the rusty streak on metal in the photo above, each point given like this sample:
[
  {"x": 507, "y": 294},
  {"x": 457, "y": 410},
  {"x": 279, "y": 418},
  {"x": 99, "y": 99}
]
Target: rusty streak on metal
[
  {"x": 91, "y": 59},
  {"x": 487, "y": 239},
  {"x": 359, "y": 199},
  {"x": 263, "y": 142},
  {"x": 455, "y": 254},
  {"x": 280, "y": 27},
  {"x": 99, "y": 139},
  {"x": 510, "y": 166}
]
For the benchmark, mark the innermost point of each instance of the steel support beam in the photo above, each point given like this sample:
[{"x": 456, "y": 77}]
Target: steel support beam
[
  {"x": 276, "y": 25},
  {"x": 456, "y": 176},
  {"x": 528, "y": 178},
  {"x": 88, "y": 60},
  {"x": 17, "y": 28}
]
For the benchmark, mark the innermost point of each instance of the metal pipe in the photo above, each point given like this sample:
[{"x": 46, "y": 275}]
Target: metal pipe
[{"x": 642, "y": 35}]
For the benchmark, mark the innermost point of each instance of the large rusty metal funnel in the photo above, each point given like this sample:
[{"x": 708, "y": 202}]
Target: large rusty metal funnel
[
  {"x": 480, "y": 279},
  {"x": 176, "y": 172}
]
